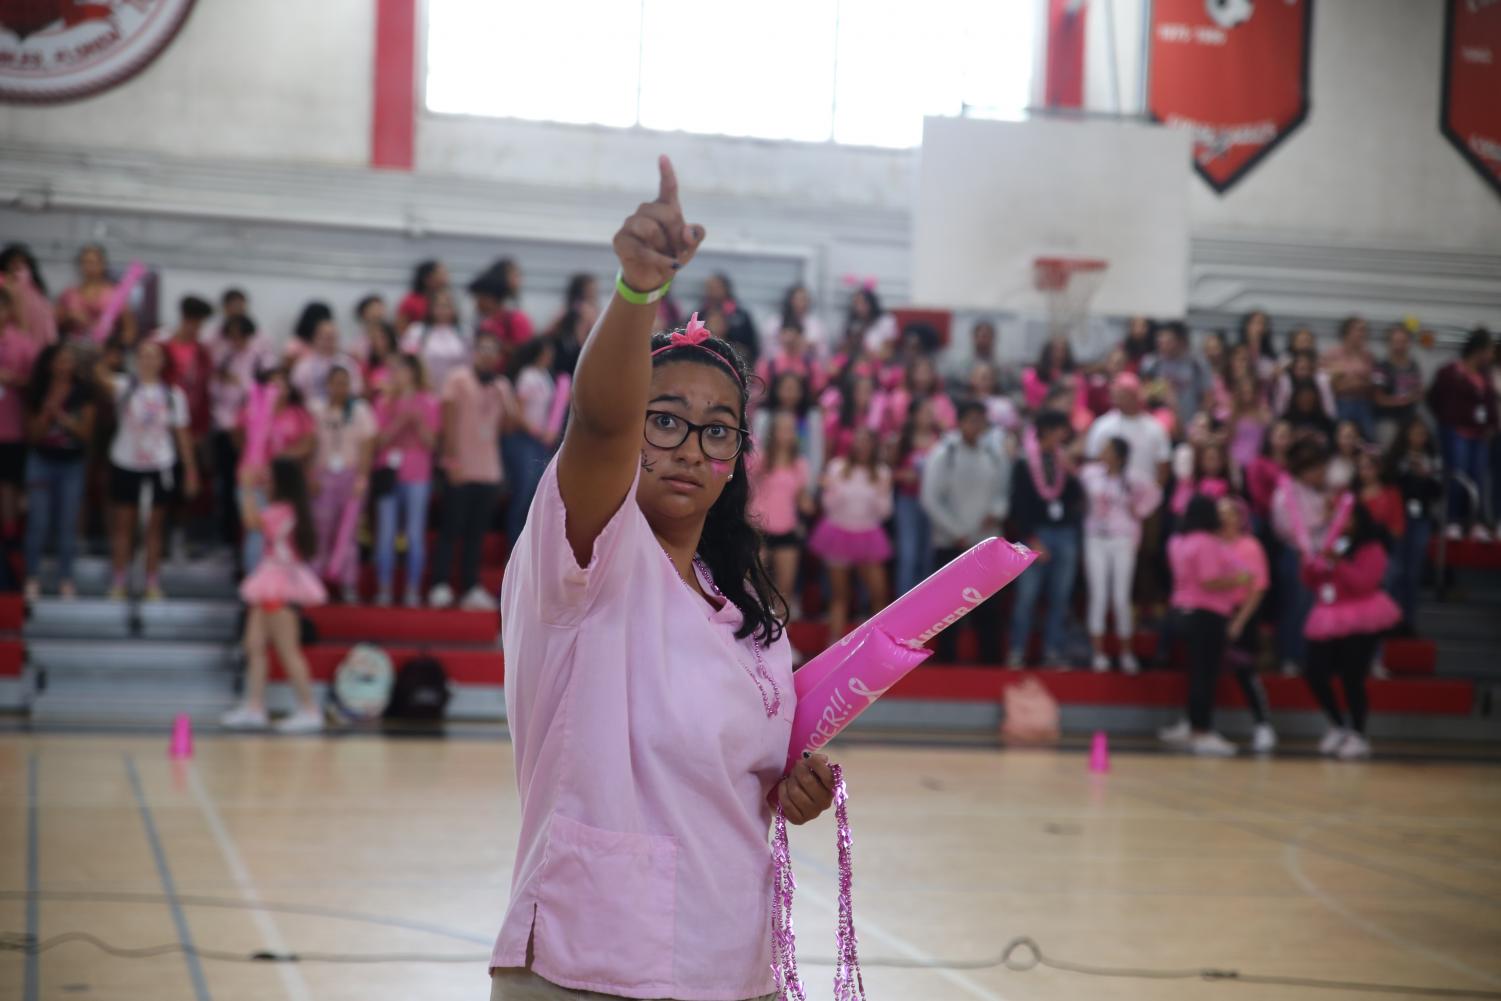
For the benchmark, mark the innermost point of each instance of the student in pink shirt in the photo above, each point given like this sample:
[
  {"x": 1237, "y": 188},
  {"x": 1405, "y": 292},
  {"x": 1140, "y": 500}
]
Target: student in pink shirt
[
  {"x": 1242, "y": 632},
  {"x": 648, "y": 677},
  {"x": 477, "y": 404},
  {"x": 1120, "y": 500},
  {"x": 1207, "y": 581},
  {"x": 341, "y": 473},
  {"x": 408, "y": 419},
  {"x": 781, "y": 497},
  {"x": 18, "y": 351},
  {"x": 293, "y": 435},
  {"x": 857, "y": 500}
]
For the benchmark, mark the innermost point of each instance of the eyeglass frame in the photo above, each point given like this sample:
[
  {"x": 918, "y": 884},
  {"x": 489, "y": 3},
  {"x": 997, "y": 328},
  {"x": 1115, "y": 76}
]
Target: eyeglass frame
[{"x": 744, "y": 433}]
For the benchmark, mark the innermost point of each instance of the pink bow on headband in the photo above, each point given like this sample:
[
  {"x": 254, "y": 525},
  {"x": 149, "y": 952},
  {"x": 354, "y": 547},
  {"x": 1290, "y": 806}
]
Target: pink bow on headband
[
  {"x": 851, "y": 281},
  {"x": 694, "y": 333},
  {"x": 693, "y": 336}
]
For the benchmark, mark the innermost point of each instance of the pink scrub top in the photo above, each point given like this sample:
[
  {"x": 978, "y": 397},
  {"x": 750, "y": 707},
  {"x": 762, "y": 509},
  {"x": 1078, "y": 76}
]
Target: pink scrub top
[{"x": 644, "y": 759}]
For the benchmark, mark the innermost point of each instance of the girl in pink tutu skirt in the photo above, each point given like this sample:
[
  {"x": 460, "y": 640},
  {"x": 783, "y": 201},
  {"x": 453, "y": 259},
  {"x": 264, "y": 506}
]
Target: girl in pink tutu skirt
[
  {"x": 1350, "y": 612},
  {"x": 856, "y": 501},
  {"x": 279, "y": 582}
]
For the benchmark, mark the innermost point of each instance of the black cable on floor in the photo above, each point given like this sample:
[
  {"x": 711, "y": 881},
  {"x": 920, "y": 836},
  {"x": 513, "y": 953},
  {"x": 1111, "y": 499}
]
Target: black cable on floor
[{"x": 1020, "y": 955}]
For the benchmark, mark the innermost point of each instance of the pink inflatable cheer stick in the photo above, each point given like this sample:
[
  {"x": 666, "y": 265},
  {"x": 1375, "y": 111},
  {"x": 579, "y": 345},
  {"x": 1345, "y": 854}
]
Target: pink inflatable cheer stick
[
  {"x": 258, "y": 410},
  {"x": 562, "y": 395},
  {"x": 929, "y": 608},
  {"x": 134, "y": 272},
  {"x": 862, "y": 675}
]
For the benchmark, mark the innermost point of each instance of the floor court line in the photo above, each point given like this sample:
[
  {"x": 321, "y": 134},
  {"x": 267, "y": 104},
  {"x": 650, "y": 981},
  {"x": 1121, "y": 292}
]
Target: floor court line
[
  {"x": 31, "y": 983},
  {"x": 1292, "y": 859},
  {"x": 184, "y": 934},
  {"x": 292, "y": 982}
]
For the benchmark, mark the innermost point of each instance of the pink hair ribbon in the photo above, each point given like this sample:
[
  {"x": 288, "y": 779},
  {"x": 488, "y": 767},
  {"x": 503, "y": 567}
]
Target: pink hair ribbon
[{"x": 693, "y": 336}]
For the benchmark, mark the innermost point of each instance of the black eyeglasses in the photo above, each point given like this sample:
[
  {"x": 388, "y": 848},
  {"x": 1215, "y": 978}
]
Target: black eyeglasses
[{"x": 717, "y": 441}]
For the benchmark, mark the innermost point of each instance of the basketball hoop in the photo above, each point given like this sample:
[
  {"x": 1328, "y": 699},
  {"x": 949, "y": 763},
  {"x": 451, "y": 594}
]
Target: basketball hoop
[{"x": 1067, "y": 284}]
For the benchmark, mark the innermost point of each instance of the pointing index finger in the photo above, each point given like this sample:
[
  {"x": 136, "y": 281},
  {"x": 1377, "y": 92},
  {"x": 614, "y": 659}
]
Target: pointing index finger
[{"x": 667, "y": 188}]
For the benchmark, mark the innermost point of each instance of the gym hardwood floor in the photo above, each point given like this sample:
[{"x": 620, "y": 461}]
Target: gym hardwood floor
[{"x": 1387, "y": 872}]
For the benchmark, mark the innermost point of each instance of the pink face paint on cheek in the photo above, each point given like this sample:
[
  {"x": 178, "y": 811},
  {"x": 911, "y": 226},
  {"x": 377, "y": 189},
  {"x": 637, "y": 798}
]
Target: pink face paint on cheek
[{"x": 720, "y": 468}]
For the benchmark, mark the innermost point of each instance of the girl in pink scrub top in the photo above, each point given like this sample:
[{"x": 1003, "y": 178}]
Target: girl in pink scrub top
[{"x": 649, "y": 678}]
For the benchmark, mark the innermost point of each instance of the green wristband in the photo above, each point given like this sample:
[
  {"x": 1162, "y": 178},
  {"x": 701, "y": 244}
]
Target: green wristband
[{"x": 630, "y": 295}]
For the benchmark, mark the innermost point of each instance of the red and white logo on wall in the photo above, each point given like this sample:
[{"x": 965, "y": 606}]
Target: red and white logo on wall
[
  {"x": 61, "y": 50},
  {"x": 1233, "y": 71},
  {"x": 1470, "y": 116}
]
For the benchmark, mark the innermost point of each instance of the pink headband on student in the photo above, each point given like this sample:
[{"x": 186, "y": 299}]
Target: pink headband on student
[{"x": 693, "y": 336}]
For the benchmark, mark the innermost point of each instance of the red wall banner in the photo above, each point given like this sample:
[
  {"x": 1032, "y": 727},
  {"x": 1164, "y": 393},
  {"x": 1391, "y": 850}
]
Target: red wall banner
[
  {"x": 1470, "y": 112},
  {"x": 1063, "y": 83},
  {"x": 1235, "y": 72}
]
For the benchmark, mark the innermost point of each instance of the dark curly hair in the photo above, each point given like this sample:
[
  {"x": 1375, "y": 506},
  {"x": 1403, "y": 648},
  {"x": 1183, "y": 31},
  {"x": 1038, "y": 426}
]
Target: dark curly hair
[{"x": 731, "y": 543}]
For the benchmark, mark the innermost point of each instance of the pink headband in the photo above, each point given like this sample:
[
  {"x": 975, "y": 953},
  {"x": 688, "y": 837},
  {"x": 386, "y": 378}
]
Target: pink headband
[{"x": 693, "y": 336}]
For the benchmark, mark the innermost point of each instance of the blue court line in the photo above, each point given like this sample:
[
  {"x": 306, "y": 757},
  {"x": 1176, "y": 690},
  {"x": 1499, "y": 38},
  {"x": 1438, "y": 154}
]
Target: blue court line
[
  {"x": 184, "y": 936},
  {"x": 31, "y": 982}
]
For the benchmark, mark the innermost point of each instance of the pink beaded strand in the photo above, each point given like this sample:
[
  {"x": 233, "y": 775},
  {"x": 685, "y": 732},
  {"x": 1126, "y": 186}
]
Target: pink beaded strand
[{"x": 849, "y": 984}]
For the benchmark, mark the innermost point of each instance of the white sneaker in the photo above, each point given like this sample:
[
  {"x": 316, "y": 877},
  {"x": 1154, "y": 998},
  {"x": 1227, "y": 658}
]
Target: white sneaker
[
  {"x": 242, "y": 717},
  {"x": 1017, "y": 659},
  {"x": 383, "y": 598},
  {"x": 1264, "y": 739},
  {"x": 1129, "y": 663},
  {"x": 1100, "y": 663},
  {"x": 1355, "y": 748},
  {"x": 1177, "y": 734},
  {"x": 1481, "y": 534},
  {"x": 1333, "y": 739},
  {"x": 478, "y": 600},
  {"x": 1454, "y": 532},
  {"x": 440, "y": 596},
  {"x": 1211, "y": 745},
  {"x": 1289, "y": 669},
  {"x": 301, "y": 721},
  {"x": 413, "y": 598}
]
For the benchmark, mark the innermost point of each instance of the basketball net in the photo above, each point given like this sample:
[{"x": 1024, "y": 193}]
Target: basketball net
[{"x": 1068, "y": 285}]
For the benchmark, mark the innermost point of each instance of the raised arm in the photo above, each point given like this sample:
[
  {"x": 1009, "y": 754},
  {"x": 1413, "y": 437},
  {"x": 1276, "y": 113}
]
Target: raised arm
[{"x": 602, "y": 446}]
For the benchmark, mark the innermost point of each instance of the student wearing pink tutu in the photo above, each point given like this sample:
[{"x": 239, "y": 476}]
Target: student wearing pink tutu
[
  {"x": 280, "y": 582},
  {"x": 857, "y": 500},
  {"x": 1350, "y": 612}
]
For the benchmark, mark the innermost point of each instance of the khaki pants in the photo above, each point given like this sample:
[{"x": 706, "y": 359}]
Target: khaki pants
[{"x": 524, "y": 985}]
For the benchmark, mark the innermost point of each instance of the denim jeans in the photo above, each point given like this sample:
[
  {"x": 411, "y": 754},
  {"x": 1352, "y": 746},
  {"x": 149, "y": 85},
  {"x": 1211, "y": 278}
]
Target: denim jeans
[
  {"x": 1467, "y": 456},
  {"x": 54, "y": 491},
  {"x": 253, "y": 543},
  {"x": 1055, "y": 580},
  {"x": 411, "y": 499},
  {"x": 525, "y": 459},
  {"x": 1360, "y": 412},
  {"x": 914, "y": 548},
  {"x": 1405, "y": 575},
  {"x": 1294, "y": 602}
]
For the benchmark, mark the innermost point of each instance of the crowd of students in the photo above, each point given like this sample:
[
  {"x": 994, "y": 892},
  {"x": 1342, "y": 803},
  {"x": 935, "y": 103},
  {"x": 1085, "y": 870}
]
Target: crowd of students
[{"x": 1192, "y": 481}]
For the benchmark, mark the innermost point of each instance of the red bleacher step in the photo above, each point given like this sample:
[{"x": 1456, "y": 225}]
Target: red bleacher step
[
  {"x": 464, "y": 667},
  {"x": 393, "y": 624}
]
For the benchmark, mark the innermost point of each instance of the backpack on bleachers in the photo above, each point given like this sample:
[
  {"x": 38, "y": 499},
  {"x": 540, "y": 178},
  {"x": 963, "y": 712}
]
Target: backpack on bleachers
[
  {"x": 421, "y": 691},
  {"x": 362, "y": 684},
  {"x": 1031, "y": 715}
]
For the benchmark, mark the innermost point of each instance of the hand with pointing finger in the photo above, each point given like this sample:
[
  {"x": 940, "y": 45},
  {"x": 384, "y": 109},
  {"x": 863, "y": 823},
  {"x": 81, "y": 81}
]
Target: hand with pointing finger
[{"x": 655, "y": 242}]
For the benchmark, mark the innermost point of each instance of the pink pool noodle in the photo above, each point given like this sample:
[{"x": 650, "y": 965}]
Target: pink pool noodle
[
  {"x": 343, "y": 548},
  {"x": 562, "y": 395},
  {"x": 134, "y": 272}
]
